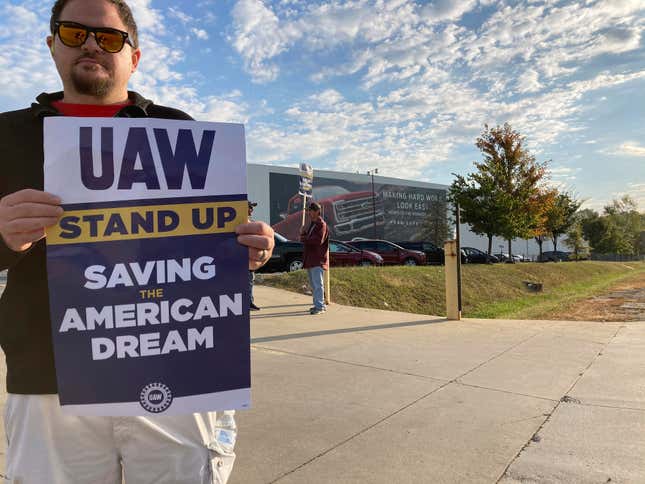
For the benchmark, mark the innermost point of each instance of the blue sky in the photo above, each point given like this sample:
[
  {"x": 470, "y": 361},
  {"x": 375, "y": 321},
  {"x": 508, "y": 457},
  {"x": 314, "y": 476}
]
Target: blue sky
[{"x": 402, "y": 86}]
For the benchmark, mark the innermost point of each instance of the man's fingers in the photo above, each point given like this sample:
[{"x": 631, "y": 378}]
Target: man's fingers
[
  {"x": 31, "y": 209},
  {"x": 30, "y": 195},
  {"x": 255, "y": 228},
  {"x": 258, "y": 257},
  {"x": 23, "y": 240},
  {"x": 23, "y": 225},
  {"x": 256, "y": 241}
]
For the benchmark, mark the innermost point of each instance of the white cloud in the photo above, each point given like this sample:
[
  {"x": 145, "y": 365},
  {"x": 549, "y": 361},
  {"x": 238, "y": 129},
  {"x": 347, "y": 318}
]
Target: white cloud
[
  {"x": 258, "y": 38},
  {"x": 442, "y": 10},
  {"x": 631, "y": 148},
  {"x": 200, "y": 33},
  {"x": 180, "y": 15},
  {"x": 147, "y": 18},
  {"x": 529, "y": 81},
  {"x": 24, "y": 57}
]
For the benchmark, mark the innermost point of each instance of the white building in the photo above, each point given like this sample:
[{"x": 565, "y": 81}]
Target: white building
[{"x": 359, "y": 205}]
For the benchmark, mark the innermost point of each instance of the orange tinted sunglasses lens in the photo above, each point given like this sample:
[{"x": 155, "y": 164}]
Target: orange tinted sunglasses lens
[
  {"x": 109, "y": 41},
  {"x": 72, "y": 36}
]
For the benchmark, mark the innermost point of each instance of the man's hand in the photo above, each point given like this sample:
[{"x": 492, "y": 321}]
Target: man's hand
[
  {"x": 258, "y": 237},
  {"x": 25, "y": 214}
]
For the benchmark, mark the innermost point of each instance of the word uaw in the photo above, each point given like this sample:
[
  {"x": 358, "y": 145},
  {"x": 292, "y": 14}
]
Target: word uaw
[{"x": 151, "y": 313}]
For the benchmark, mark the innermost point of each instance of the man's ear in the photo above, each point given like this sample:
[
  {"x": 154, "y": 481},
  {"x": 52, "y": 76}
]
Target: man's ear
[
  {"x": 50, "y": 43},
  {"x": 136, "y": 56}
]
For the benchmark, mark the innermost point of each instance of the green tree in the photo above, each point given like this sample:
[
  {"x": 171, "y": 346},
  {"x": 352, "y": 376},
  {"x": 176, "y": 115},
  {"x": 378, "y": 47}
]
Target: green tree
[
  {"x": 545, "y": 201},
  {"x": 561, "y": 216},
  {"x": 617, "y": 230},
  {"x": 576, "y": 241},
  {"x": 516, "y": 178},
  {"x": 593, "y": 227},
  {"x": 624, "y": 225},
  {"x": 477, "y": 198}
]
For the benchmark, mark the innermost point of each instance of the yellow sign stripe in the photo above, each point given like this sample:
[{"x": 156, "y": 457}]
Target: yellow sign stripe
[{"x": 147, "y": 222}]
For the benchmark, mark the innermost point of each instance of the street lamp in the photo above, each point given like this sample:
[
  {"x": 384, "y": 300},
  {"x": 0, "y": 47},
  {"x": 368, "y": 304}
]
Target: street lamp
[{"x": 372, "y": 173}]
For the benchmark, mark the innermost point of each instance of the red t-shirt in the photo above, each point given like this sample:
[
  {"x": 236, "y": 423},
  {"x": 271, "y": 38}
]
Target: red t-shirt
[{"x": 89, "y": 110}]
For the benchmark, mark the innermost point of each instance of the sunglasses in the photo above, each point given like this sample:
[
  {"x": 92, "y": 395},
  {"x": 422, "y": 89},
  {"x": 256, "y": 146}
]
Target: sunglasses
[{"x": 110, "y": 40}]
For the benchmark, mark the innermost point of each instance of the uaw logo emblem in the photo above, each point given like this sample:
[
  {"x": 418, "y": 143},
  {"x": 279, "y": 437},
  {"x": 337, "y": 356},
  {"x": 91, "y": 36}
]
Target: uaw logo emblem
[{"x": 155, "y": 397}]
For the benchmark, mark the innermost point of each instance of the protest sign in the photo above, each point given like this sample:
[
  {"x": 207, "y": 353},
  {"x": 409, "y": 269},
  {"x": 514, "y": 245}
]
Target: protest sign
[
  {"x": 306, "y": 180},
  {"x": 148, "y": 285}
]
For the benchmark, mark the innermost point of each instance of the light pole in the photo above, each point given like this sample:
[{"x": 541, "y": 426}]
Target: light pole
[{"x": 372, "y": 173}]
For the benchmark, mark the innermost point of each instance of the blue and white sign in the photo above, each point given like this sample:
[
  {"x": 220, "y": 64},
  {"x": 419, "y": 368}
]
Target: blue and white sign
[{"x": 148, "y": 285}]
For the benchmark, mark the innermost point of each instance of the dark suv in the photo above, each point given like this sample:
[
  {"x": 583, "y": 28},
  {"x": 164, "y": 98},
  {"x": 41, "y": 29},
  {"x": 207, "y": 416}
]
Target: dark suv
[
  {"x": 392, "y": 254},
  {"x": 476, "y": 256},
  {"x": 554, "y": 256},
  {"x": 434, "y": 254},
  {"x": 287, "y": 256}
]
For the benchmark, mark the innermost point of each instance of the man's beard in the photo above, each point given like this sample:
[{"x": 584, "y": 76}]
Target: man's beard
[{"x": 91, "y": 86}]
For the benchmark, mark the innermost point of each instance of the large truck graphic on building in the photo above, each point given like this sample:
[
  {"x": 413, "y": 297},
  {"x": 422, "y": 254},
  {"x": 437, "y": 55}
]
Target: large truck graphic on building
[{"x": 348, "y": 214}]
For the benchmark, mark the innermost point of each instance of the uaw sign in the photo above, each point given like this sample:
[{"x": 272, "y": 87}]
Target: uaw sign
[{"x": 148, "y": 285}]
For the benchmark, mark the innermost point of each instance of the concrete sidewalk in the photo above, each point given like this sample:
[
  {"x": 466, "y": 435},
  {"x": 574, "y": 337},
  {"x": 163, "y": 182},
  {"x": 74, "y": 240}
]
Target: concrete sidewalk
[{"x": 367, "y": 396}]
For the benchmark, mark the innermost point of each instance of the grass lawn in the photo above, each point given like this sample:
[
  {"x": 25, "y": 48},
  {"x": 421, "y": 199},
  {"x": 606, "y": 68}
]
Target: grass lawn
[{"x": 489, "y": 291}]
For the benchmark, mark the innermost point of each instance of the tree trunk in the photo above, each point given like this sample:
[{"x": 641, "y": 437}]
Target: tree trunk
[
  {"x": 510, "y": 254},
  {"x": 490, "y": 247},
  {"x": 555, "y": 243},
  {"x": 539, "y": 241}
]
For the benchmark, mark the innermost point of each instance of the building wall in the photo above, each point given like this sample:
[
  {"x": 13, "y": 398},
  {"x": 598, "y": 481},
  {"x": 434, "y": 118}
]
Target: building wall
[
  {"x": 399, "y": 206},
  {"x": 354, "y": 205}
]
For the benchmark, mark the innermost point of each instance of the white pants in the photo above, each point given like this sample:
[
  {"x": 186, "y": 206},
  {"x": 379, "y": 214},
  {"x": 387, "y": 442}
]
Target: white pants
[{"x": 46, "y": 446}]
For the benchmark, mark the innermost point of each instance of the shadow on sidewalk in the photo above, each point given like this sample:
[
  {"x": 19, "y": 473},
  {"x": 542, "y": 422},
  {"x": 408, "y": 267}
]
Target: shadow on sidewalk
[
  {"x": 255, "y": 315},
  {"x": 310, "y": 334},
  {"x": 283, "y": 306}
]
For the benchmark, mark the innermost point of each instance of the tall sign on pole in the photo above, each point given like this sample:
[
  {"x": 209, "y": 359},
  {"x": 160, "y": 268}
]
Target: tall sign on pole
[{"x": 305, "y": 186}]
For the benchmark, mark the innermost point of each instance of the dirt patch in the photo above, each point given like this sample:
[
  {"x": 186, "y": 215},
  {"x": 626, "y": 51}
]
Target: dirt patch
[{"x": 624, "y": 301}]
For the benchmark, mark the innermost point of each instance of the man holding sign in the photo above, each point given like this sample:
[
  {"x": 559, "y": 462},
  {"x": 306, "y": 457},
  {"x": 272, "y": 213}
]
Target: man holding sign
[{"x": 94, "y": 46}]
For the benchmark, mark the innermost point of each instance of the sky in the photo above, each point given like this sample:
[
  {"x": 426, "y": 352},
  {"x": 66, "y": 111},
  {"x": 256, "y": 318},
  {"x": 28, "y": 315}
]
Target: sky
[{"x": 399, "y": 85}]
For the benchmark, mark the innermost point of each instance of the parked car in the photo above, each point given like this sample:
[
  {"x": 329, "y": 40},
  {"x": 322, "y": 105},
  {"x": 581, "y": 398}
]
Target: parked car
[
  {"x": 554, "y": 256},
  {"x": 391, "y": 253},
  {"x": 434, "y": 254},
  {"x": 476, "y": 256},
  {"x": 346, "y": 213},
  {"x": 503, "y": 257},
  {"x": 287, "y": 256},
  {"x": 342, "y": 254}
]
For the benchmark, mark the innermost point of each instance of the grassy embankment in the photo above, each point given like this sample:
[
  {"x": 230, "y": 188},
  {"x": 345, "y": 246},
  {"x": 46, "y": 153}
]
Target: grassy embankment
[{"x": 489, "y": 291}]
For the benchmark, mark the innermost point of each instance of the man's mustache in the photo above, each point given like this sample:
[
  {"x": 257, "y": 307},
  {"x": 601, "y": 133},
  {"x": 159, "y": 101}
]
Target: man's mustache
[{"x": 89, "y": 56}]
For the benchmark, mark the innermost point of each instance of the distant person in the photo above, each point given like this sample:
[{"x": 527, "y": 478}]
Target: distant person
[
  {"x": 316, "y": 258},
  {"x": 252, "y": 304}
]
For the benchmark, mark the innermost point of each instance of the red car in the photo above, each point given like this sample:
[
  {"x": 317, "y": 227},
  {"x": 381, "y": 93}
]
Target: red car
[
  {"x": 342, "y": 254},
  {"x": 392, "y": 254}
]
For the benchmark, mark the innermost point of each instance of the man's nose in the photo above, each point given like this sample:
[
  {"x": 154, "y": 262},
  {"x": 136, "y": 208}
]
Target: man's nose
[{"x": 90, "y": 43}]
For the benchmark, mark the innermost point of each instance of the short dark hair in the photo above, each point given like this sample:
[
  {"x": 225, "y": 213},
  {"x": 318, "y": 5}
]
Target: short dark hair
[
  {"x": 314, "y": 206},
  {"x": 122, "y": 8}
]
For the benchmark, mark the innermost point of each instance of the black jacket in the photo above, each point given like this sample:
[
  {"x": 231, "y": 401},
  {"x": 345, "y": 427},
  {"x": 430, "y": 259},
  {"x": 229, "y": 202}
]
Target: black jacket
[{"x": 25, "y": 327}]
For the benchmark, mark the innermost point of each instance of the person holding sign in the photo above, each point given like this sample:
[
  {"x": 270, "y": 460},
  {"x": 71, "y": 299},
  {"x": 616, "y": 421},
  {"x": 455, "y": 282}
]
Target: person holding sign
[
  {"x": 316, "y": 256},
  {"x": 94, "y": 46}
]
